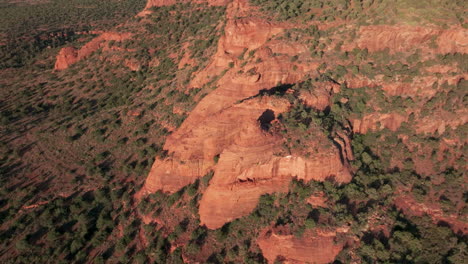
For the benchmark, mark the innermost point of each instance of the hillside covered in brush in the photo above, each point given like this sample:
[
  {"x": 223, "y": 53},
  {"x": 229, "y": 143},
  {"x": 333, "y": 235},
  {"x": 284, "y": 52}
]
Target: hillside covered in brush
[{"x": 233, "y": 131}]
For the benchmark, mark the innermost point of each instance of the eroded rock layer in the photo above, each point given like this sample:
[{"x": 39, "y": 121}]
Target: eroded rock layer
[
  {"x": 315, "y": 246},
  {"x": 70, "y": 55}
]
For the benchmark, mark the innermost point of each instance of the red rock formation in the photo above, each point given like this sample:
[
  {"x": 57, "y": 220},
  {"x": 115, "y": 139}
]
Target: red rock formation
[
  {"x": 315, "y": 246},
  {"x": 241, "y": 36},
  {"x": 317, "y": 200},
  {"x": 66, "y": 57},
  {"x": 69, "y": 55},
  {"x": 453, "y": 40},
  {"x": 226, "y": 123},
  {"x": 421, "y": 86},
  {"x": 377, "y": 121},
  {"x": 249, "y": 168},
  {"x": 403, "y": 38},
  {"x": 319, "y": 98},
  {"x": 207, "y": 130}
]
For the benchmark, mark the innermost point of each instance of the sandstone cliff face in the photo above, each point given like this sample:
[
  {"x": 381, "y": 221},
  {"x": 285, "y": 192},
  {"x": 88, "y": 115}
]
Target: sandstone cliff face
[
  {"x": 315, "y": 246},
  {"x": 249, "y": 168},
  {"x": 207, "y": 130},
  {"x": 69, "y": 55},
  {"x": 226, "y": 123},
  {"x": 241, "y": 36}
]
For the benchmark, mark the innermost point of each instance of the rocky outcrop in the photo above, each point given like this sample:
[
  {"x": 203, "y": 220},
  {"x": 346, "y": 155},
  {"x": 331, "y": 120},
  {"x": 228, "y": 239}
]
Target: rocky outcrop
[
  {"x": 315, "y": 246},
  {"x": 66, "y": 57},
  {"x": 69, "y": 55},
  {"x": 453, "y": 40},
  {"x": 320, "y": 97},
  {"x": 249, "y": 168},
  {"x": 403, "y": 38},
  {"x": 208, "y": 129},
  {"x": 378, "y": 121},
  {"x": 133, "y": 64},
  {"x": 155, "y": 3},
  {"x": 230, "y": 123},
  {"x": 441, "y": 120}
]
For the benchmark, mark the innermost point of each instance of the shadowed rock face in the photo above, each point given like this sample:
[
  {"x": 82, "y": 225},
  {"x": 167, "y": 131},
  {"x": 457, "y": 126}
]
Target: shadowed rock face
[{"x": 266, "y": 118}]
